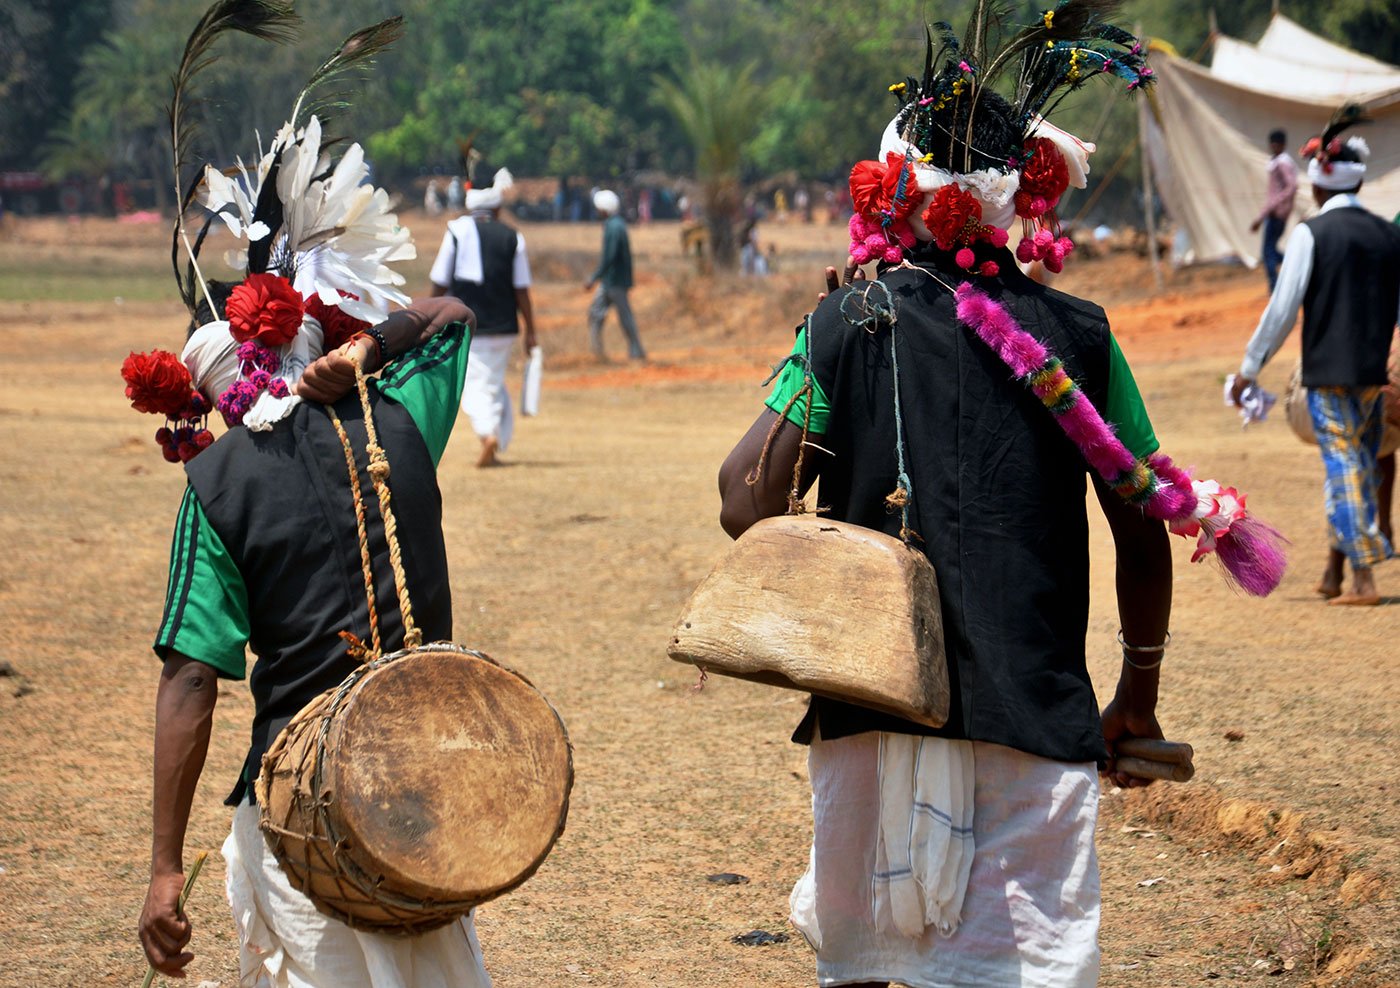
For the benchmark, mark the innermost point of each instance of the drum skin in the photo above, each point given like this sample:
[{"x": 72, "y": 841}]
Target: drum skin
[{"x": 429, "y": 782}]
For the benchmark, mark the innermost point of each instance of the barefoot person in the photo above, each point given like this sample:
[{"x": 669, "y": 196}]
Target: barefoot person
[
  {"x": 1343, "y": 269},
  {"x": 958, "y": 403},
  {"x": 483, "y": 262}
]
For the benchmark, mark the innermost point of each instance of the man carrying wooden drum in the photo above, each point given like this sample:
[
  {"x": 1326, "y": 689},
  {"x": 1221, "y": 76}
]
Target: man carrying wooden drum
[
  {"x": 272, "y": 549},
  {"x": 949, "y": 402}
]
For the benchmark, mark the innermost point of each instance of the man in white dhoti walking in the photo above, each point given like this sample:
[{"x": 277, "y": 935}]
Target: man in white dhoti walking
[{"x": 483, "y": 262}]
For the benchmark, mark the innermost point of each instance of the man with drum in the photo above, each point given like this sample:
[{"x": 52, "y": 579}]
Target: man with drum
[
  {"x": 1343, "y": 269},
  {"x": 1000, "y": 885},
  {"x": 264, "y": 554}
]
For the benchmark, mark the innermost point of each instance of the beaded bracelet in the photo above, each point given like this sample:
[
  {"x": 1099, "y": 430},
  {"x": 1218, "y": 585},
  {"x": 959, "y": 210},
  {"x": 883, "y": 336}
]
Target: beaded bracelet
[
  {"x": 380, "y": 343},
  {"x": 1144, "y": 666}
]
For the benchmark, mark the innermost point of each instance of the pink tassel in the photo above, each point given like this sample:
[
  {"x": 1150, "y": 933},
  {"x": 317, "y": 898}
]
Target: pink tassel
[
  {"x": 1174, "y": 499},
  {"x": 1253, "y": 556}
]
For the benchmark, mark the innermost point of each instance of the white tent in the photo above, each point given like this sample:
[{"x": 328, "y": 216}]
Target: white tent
[{"x": 1206, "y": 135}]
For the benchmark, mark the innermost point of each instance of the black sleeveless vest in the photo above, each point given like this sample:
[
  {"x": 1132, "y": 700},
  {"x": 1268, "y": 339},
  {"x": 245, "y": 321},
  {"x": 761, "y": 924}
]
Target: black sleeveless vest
[
  {"x": 1349, "y": 308},
  {"x": 281, "y": 503},
  {"x": 998, "y": 499},
  {"x": 492, "y": 298}
]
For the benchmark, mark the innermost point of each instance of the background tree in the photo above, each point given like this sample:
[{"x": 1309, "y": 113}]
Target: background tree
[{"x": 721, "y": 112}]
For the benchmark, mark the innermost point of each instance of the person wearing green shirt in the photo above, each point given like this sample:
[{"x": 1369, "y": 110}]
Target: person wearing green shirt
[{"x": 612, "y": 280}]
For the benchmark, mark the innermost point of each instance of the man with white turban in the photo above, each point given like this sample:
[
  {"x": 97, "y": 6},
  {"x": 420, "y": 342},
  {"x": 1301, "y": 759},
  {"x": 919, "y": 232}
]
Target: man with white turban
[
  {"x": 1343, "y": 268},
  {"x": 483, "y": 262},
  {"x": 613, "y": 279}
]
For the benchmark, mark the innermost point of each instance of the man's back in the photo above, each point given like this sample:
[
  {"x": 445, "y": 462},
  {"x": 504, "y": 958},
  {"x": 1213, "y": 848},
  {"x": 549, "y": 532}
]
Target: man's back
[{"x": 1350, "y": 306}]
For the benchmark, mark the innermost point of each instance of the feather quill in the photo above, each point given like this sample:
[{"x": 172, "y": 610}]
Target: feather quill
[
  {"x": 356, "y": 52},
  {"x": 268, "y": 20},
  {"x": 1348, "y": 116},
  {"x": 1069, "y": 21}
]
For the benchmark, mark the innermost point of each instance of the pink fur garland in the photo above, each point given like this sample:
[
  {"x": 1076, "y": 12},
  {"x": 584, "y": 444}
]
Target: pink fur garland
[{"x": 1250, "y": 550}]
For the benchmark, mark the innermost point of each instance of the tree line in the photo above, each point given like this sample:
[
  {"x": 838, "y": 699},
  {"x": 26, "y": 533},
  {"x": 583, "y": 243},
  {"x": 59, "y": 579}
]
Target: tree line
[{"x": 600, "y": 89}]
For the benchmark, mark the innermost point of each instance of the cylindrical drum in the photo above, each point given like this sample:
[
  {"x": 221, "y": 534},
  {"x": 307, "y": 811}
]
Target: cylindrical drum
[{"x": 428, "y": 782}]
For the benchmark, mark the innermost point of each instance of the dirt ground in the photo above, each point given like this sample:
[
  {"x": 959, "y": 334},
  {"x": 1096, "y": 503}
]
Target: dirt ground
[{"x": 1278, "y": 862}]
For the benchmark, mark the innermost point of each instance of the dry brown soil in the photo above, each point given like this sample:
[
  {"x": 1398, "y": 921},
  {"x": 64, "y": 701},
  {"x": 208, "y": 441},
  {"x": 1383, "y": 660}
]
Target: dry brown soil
[{"x": 1278, "y": 862}]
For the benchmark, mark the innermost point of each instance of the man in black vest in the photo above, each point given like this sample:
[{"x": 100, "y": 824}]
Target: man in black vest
[
  {"x": 996, "y": 494},
  {"x": 1343, "y": 268},
  {"x": 266, "y": 556},
  {"x": 483, "y": 262}
]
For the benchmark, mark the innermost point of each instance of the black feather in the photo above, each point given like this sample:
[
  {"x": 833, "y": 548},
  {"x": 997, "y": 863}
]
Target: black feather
[
  {"x": 269, "y": 20},
  {"x": 1347, "y": 116},
  {"x": 356, "y": 52}
]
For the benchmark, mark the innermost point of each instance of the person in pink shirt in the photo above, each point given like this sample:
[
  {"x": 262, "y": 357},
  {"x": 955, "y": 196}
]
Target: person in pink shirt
[{"x": 1278, "y": 204}]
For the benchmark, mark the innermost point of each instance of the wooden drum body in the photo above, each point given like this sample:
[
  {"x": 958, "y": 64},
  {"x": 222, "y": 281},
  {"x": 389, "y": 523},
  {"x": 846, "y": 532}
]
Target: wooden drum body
[
  {"x": 825, "y": 607},
  {"x": 430, "y": 781}
]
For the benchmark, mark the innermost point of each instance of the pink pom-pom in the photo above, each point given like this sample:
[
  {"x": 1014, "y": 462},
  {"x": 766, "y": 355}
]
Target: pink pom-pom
[
  {"x": 1043, "y": 239},
  {"x": 989, "y": 269},
  {"x": 1039, "y": 207},
  {"x": 1025, "y": 251},
  {"x": 893, "y": 254},
  {"x": 1054, "y": 264},
  {"x": 999, "y": 237},
  {"x": 1066, "y": 246},
  {"x": 860, "y": 253},
  {"x": 965, "y": 258}
]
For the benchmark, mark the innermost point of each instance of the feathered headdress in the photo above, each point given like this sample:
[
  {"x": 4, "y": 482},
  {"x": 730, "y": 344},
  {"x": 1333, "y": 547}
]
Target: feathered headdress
[
  {"x": 1338, "y": 164},
  {"x": 961, "y": 161},
  {"x": 316, "y": 254}
]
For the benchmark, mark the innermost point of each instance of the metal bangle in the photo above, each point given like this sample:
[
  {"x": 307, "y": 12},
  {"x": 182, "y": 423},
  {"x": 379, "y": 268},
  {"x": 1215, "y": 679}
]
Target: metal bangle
[{"x": 1160, "y": 649}]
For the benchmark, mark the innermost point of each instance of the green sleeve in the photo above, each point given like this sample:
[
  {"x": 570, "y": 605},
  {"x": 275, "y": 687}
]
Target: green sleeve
[
  {"x": 1124, "y": 406},
  {"x": 206, "y": 603},
  {"x": 428, "y": 382},
  {"x": 789, "y": 382}
]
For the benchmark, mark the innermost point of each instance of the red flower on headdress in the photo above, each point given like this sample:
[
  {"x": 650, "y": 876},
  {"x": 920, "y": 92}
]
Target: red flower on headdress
[
  {"x": 954, "y": 217},
  {"x": 1044, "y": 178},
  {"x": 157, "y": 382},
  {"x": 337, "y": 326},
  {"x": 266, "y": 308},
  {"x": 875, "y": 188}
]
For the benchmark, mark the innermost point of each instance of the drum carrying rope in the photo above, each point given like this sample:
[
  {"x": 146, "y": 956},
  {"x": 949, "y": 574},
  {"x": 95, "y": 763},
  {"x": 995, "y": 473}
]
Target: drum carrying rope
[{"x": 379, "y": 477}]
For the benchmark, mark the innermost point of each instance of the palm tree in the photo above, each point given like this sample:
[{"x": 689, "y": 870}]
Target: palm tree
[{"x": 721, "y": 112}]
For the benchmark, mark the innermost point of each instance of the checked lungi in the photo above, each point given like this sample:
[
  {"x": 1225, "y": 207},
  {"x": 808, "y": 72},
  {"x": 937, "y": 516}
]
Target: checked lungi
[{"x": 1349, "y": 426}]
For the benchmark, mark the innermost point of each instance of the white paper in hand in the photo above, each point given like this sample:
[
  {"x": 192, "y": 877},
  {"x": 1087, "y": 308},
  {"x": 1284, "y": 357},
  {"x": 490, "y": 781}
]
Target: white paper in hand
[{"x": 530, "y": 387}]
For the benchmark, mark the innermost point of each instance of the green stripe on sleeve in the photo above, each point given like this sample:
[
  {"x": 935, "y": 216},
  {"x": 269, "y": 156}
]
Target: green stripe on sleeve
[
  {"x": 1125, "y": 408},
  {"x": 427, "y": 381},
  {"x": 789, "y": 382},
  {"x": 206, "y": 602}
]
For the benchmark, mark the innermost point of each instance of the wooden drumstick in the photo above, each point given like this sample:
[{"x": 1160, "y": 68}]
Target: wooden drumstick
[
  {"x": 1156, "y": 750},
  {"x": 1146, "y": 768}
]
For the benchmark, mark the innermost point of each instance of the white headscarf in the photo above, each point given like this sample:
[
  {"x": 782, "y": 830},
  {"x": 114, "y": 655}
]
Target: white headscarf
[
  {"x": 211, "y": 354},
  {"x": 490, "y": 198},
  {"x": 993, "y": 188},
  {"x": 1340, "y": 176},
  {"x": 606, "y": 201}
]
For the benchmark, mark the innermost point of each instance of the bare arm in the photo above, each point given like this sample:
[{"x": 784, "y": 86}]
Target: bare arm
[
  {"x": 741, "y": 504},
  {"x": 527, "y": 313},
  {"x": 435, "y": 290},
  {"x": 184, "y": 714},
  {"x": 1144, "y": 585},
  {"x": 332, "y": 376}
]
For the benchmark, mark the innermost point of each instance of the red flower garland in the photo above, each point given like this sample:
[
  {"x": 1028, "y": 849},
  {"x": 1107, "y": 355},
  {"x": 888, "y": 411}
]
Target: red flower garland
[
  {"x": 337, "y": 326},
  {"x": 157, "y": 382},
  {"x": 875, "y": 188},
  {"x": 266, "y": 308},
  {"x": 952, "y": 215},
  {"x": 1044, "y": 178}
]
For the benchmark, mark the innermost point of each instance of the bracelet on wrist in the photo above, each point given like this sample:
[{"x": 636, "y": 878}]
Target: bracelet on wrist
[
  {"x": 1128, "y": 650},
  {"x": 380, "y": 343}
]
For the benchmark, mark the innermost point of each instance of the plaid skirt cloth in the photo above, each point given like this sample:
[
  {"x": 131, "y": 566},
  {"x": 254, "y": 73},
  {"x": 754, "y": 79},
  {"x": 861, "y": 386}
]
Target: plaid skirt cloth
[{"x": 1348, "y": 423}]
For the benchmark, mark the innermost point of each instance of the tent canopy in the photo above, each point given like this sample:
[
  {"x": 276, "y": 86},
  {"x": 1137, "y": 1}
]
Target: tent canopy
[{"x": 1206, "y": 134}]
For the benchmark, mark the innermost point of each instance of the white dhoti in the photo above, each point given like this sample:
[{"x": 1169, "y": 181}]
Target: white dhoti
[
  {"x": 484, "y": 397},
  {"x": 1030, "y": 909},
  {"x": 284, "y": 942}
]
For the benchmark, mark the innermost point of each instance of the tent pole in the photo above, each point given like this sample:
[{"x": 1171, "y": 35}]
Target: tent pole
[{"x": 1147, "y": 209}]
